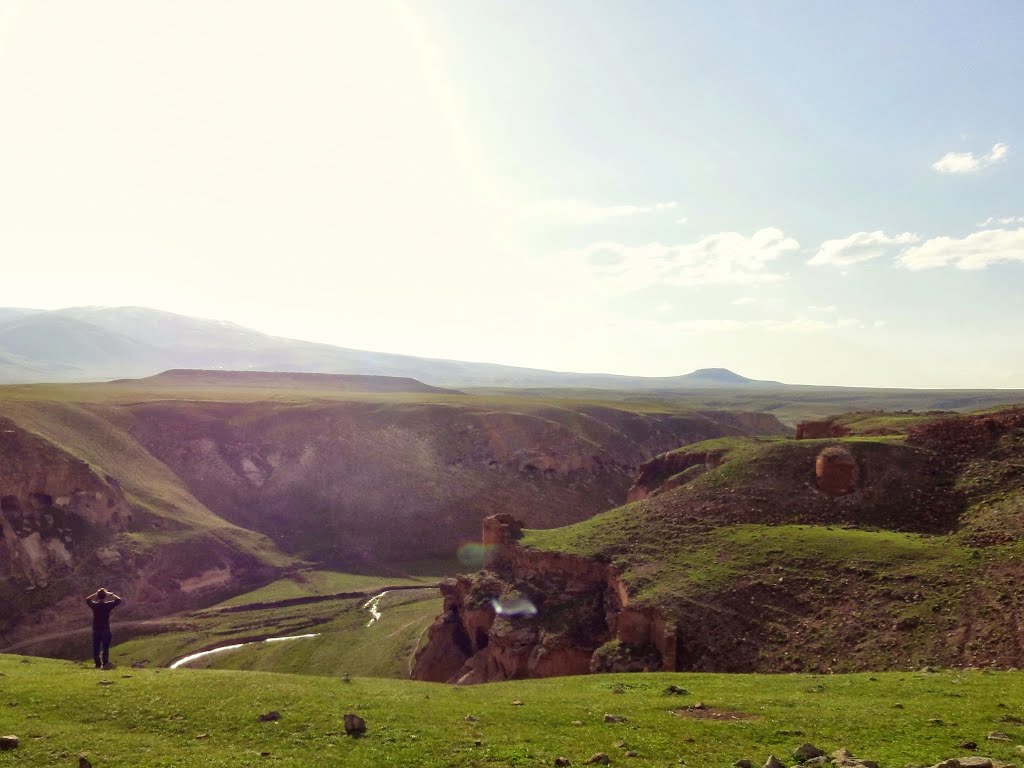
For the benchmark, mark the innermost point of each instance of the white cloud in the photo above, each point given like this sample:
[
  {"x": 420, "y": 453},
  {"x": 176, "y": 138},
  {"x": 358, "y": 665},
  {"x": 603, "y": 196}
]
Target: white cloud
[
  {"x": 860, "y": 246},
  {"x": 1005, "y": 221},
  {"x": 966, "y": 162},
  {"x": 976, "y": 251},
  {"x": 827, "y": 308},
  {"x": 583, "y": 212},
  {"x": 743, "y": 300},
  {"x": 725, "y": 258},
  {"x": 682, "y": 219}
]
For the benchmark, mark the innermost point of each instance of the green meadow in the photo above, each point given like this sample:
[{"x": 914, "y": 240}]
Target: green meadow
[{"x": 160, "y": 717}]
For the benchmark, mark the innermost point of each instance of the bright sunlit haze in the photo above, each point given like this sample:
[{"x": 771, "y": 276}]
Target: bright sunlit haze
[{"x": 819, "y": 193}]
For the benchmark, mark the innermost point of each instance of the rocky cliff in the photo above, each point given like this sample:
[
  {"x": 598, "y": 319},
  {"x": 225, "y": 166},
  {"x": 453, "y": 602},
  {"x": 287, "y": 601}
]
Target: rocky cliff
[
  {"x": 540, "y": 614},
  {"x": 362, "y": 482}
]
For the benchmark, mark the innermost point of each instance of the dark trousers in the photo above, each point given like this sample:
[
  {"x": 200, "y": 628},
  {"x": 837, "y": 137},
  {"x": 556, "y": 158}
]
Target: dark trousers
[{"x": 101, "y": 644}]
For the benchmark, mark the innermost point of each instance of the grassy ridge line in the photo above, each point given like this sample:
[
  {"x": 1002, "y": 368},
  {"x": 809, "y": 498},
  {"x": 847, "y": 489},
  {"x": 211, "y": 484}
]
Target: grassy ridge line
[{"x": 153, "y": 718}]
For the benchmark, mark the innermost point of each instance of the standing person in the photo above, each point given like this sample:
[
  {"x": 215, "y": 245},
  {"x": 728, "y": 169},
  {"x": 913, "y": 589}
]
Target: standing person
[{"x": 102, "y": 603}]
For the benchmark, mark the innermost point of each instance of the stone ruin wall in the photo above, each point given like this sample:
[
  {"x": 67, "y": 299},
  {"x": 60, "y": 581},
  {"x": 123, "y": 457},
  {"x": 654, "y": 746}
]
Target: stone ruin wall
[{"x": 471, "y": 643}]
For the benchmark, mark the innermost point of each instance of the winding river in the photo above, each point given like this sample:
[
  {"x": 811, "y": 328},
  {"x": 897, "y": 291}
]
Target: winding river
[{"x": 372, "y": 605}]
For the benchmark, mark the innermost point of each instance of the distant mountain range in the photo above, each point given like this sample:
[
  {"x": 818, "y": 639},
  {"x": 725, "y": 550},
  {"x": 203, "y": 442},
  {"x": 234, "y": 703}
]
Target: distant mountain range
[{"x": 101, "y": 343}]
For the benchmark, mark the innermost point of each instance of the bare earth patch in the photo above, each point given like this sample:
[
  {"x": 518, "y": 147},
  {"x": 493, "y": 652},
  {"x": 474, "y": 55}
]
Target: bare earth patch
[{"x": 701, "y": 712}]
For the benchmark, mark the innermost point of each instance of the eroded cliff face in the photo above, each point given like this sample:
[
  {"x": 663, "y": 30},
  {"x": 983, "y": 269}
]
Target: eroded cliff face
[
  {"x": 55, "y": 511},
  {"x": 354, "y": 482},
  {"x": 540, "y": 614}
]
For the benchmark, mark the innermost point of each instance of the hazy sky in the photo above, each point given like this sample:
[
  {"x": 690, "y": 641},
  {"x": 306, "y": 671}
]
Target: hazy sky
[{"x": 826, "y": 192}]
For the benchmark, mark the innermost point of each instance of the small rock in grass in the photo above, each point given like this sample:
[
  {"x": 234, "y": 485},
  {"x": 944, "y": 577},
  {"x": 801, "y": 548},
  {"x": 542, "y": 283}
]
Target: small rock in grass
[
  {"x": 9, "y": 742},
  {"x": 997, "y": 736},
  {"x": 820, "y": 760},
  {"x": 631, "y": 753},
  {"x": 947, "y": 764},
  {"x": 202, "y": 735},
  {"x": 614, "y": 719},
  {"x": 619, "y": 745},
  {"x": 773, "y": 762},
  {"x": 806, "y": 751},
  {"x": 478, "y": 742},
  {"x": 266, "y": 753},
  {"x": 699, "y": 705},
  {"x": 744, "y": 763},
  {"x": 935, "y": 721},
  {"x": 969, "y": 745},
  {"x": 675, "y": 690},
  {"x": 106, "y": 682},
  {"x": 599, "y": 759},
  {"x": 83, "y": 762},
  {"x": 577, "y": 723},
  {"x": 470, "y": 719},
  {"x": 354, "y": 725},
  {"x": 842, "y": 754},
  {"x": 517, "y": 703},
  {"x": 897, "y": 705},
  {"x": 868, "y": 763},
  {"x": 562, "y": 761},
  {"x": 975, "y": 762},
  {"x": 1020, "y": 749},
  {"x": 269, "y": 717}
]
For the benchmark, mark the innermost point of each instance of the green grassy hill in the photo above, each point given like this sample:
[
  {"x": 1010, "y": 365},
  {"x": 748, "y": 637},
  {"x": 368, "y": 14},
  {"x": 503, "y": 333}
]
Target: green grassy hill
[
  {"x": 141, "y": 718},
  {"x": 919, "y": 565}
]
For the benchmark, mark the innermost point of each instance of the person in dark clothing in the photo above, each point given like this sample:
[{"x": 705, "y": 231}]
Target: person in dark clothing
[{"x": 102, "y": 603}]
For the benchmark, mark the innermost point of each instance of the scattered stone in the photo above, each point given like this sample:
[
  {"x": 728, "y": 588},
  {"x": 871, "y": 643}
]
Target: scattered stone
[
  {"x": 997, "y": 736},
  {"x": 820, "y": 760},
  {"x": 897, "y": 705},
  {"x": 269, "y": 717},
  {"x": 478, "y": 742},
  {"x": 83, "y": 762},
  {"x": 599, "y": 759},
  {"x": 868, "y": 763},
  {"x": 619, "y": 745},
  {"x": 9, "y": 742},
  {"x": 947, "y": 764},
  {"x": 266, "y": 753},
  {"x": 975, "y": 762},
  {"x": 631, "y": 753},
  {"x": 202, "y": 735},
  {"x": 805, "y": 752},
  {"x": 774, "y": 762},
  {"x": 577, "y": 723},
  {"x": 105, "y": 682},
  {"x": 517, "y": 703},
  {"x": 842, "y": 754},
  {"x": 346, "y": 678},
  {"x": 614, "y": 719},
  {"x": 969, "y": 745},
  {"x": 139, "y": 664},
  {"x": 354, "y": 725},
  {"x": 1020, "y": 748},
  {"x": 470, "y": 719},
  {"x": 1012, "y": 719},
  {"x": 699, "y": 705},
  {"x": 744, "y": 763},
  {"x": 935, "y": 721},
  {"x": 562, "y": 761},
  {"x": 675, "y": 690}
]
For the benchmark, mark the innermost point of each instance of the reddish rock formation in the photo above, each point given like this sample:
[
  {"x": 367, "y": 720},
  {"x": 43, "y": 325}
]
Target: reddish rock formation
[
  {"x": 818, "y": 430},
  {"x": 836, "y": 471},
  {"x": 581, "y": 605},
  {"x": 663, "y": 472}
]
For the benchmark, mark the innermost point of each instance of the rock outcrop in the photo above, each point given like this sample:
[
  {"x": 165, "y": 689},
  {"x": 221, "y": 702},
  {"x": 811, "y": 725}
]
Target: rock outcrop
[
  {"x": 54, "y": 510},
  {"x": 580, "y": 620},
  {"x": 670, "y": 470}
]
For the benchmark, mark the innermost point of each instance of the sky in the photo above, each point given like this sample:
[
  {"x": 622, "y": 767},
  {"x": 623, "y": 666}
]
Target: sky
[{"x": 816, "y": 193}]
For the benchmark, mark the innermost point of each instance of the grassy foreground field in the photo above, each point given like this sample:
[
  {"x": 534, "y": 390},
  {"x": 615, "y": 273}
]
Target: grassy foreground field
[{"x": 190, "y": 717}]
